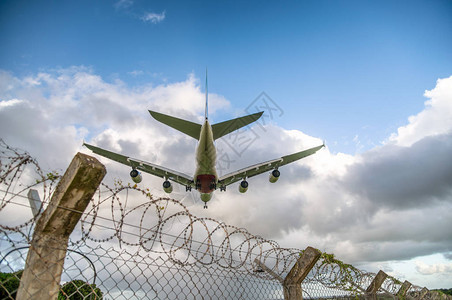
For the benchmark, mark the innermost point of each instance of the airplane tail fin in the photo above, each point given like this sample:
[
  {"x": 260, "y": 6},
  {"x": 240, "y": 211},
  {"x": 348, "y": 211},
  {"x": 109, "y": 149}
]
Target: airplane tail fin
[
  {"x": 187, "y": 127},
  {"x": 194, "y": 130},
  {"x": 223, "y": 128},
  {"x": 207, "y": 111}
]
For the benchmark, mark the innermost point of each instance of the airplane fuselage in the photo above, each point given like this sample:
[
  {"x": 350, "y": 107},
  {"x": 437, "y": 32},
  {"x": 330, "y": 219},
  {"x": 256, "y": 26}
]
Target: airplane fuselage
[{"x": 205, "y": 176}]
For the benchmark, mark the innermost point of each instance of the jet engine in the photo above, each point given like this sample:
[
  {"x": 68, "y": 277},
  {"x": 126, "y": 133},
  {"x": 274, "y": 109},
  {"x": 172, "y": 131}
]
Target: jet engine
[
  {"x": 243, "y": 186},
  {"x": 136, "y": 176},
  {"x": 167, "y": 187},
  {"x": 274, "y": 176}
]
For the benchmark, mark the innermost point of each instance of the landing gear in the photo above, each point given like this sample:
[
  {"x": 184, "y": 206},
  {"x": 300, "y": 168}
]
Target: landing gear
[
  {"x": 188, "y": 188},
  {"x": 222, "y": 188},
  {"x": 205, "y": 205}
]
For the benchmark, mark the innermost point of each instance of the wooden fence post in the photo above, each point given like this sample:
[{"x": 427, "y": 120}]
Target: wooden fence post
[
  {"x": 371, "y": 291},
  {"x": 45, "y": 259},
  {"x": 401, "y": 294}
]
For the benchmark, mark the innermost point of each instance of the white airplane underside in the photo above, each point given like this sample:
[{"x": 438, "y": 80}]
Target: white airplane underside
[{"x": 205, "y": 179}]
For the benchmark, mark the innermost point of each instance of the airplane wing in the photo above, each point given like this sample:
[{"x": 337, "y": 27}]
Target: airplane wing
[
  {"x": 144, "y": 166},
  {"x": 265, "y": 166}
]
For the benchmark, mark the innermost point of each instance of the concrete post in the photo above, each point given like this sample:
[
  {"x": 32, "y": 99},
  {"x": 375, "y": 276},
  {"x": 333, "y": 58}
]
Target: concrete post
[
  {"x": 403, "y": 290},
  {"x": 35, "y": 202},
  {"x": 423, "y": 293},
  {"x": 45, "y": 259},
  {"x": 292, "y": 282},
  {"x": 371, "y": 291}
]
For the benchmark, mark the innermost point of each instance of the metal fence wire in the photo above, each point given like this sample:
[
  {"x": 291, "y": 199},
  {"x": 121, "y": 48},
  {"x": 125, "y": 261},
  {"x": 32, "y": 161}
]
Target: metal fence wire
[{"x": 130, "y": 245}]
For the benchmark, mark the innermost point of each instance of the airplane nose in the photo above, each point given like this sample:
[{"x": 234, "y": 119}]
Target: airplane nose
[{"x": 205, "y": 197}]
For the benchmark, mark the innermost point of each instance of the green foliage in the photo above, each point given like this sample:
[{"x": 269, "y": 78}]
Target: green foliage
[
  {"x": 78, "y": 290},
  {"x": 330, "y": 259},
  {"x": 344, "y": 273},
  {"x": 53, "y": 176},
  {"x": 119, "y": 185},
  {"x": 444, "y": 291},
  {"x": 73, "y": 290},
  {"x": 9, "y": 284}
]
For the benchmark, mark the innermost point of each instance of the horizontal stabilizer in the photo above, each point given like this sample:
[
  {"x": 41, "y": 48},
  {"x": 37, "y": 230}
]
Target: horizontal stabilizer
[
  {"x": 187, "y": 127},
  {"x": 223, "y": 128}
]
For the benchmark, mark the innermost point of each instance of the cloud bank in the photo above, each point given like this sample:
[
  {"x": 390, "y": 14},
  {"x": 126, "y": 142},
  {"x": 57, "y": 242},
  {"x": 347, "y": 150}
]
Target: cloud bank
[
  {"x": 393, "y": 202},
  {"x": 154, "y": 17}
]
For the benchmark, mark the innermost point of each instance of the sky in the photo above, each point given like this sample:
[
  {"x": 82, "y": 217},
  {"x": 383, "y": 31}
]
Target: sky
[{"x": 373, "y": 79}]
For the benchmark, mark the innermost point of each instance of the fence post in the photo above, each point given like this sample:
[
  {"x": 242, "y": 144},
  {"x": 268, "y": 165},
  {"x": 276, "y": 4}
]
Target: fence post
[
  {"x": 35, "y": 202},
  {"x": 403, "y": 290},
  {"x": 292, "y": 282},
  {"x": 371, "y": 291},
  {"x": 423, "y": 293},
  {"x": 45, "y": 259}
]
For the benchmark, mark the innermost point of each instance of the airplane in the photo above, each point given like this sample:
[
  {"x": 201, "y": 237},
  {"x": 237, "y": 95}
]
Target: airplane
[{"x": 205, "y": 179}]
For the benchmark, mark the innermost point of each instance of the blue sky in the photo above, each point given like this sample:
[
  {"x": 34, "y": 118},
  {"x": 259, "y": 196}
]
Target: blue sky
[
  {"x": 372, "y": 78},
  {"x": 339, "y": 69}
]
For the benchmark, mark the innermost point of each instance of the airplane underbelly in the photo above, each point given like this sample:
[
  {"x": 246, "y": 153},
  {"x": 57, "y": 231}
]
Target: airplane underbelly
[{"x": 205, "y": 183}]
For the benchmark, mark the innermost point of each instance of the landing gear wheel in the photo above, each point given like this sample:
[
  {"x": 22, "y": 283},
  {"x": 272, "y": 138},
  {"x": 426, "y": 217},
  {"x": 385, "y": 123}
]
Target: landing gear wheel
[{"x": 205, "y": 206}]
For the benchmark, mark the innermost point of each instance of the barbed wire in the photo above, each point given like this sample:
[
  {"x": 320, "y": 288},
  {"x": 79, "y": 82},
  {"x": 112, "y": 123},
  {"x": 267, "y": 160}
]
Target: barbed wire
[{"x": 163, "y": 229}]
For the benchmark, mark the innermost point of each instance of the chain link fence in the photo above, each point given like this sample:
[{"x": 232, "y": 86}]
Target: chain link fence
[{"x": 129, "y": 245}]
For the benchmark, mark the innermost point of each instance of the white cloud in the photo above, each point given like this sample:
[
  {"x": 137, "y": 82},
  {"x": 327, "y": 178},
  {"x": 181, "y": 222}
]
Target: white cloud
[
  {"x": 123, "y": 4},
  {"x": 136, "y": 73},
  {"x": 435, "y": 119},
  {"x": 426, "y": 269},
  {"x": 9, "y": 103},
  {"x": 154, "y": 17}
]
